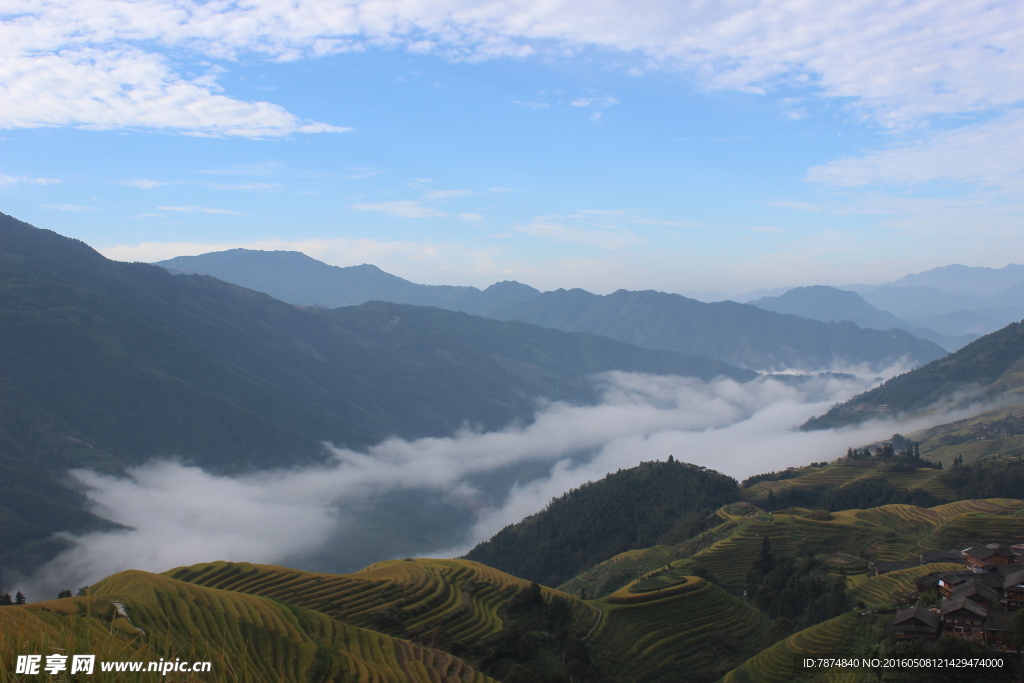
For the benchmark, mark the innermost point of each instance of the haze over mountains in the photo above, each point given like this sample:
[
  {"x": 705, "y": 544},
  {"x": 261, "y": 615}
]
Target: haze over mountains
[
  {"x": 820, "y": 302},
  {"x": 739, "y": 334}
]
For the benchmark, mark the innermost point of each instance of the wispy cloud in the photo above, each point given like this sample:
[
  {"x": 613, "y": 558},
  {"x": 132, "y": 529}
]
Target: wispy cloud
[
  {"x": 471, "y": 216},
  {"x": 446, "y": 194},
  {"x": 602, "y": 237},
  {"x": 25, "y": 180},
  {"x": 596, "y": 102},
  {"x": 143, "y": 183},
  {"x": 68, "y": 207},
  {"x": 893, "y": 63},
  {"x": 199, "y": 209},
  {"x": 251, "y": 187},
  {"x": 990, "y": 154},
  {"x": 405, "y": 208}
]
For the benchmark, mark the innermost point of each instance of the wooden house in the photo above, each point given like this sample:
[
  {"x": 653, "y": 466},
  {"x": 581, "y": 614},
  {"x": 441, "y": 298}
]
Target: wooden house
[
  {"x": 964, "y": 618},
  {"x": 916, "y": 623}
]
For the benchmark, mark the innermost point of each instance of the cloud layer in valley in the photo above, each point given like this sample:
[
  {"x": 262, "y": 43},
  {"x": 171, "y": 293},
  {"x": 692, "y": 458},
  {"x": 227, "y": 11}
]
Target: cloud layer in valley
[{"x": 476, "y": 482}]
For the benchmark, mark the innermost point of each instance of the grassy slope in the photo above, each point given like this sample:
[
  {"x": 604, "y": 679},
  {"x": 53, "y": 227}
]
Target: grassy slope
[{"x": 247, "y": 637}]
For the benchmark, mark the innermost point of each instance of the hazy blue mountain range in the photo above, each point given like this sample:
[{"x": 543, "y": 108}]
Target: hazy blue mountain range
[
  {"x": 296, "y": 278},
  {"x": 989, "y": 368},
  {"x": 821, "y": 302},
  {"x": 969, "y": 280},
  {"x": 739, "y": 334},
  {"x": 104, "y": 364}
]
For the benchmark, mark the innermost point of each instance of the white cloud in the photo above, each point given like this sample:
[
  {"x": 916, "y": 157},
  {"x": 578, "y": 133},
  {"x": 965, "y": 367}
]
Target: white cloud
[
  {"x": 445, "y": 194},
  {"x": 603, "y": 237},
  {"x": 82, "y": 62},
  {"x": 989, "y": 153},
  {"x": 471, "y": 216},
  {"x": 128, "y": 88},
  {"x": 599, "y": 101},
  {"x": 143, "y": 183},
  {"x": 24, "y": 180},
  {"x": 199, "y": 209},
  {"x": 68, "y": 207},
  {"x": 405, "y": 208},
  {"x": 252, "y": 187}
]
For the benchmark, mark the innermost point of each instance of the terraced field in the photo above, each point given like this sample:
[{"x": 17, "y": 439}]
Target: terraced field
[
  {"x": 886, "y": 590},
  {"x": 732, "y": 558},
  {"x": 692, "y": 634},
  {"x": 414, "y": 598},
  {"x": 136, "y": 616},
  {"x": 610, "y": 575},
  {"x": 840, "y": 476},
  {"x": 778, "y": 663},
  {"x": 974, "y": 528}
]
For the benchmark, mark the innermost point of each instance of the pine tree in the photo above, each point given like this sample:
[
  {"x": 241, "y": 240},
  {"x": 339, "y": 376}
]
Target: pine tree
[{"x": 19, "y": 599}]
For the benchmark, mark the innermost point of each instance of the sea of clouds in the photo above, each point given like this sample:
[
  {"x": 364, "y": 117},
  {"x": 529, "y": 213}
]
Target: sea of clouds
[{"x": 441, "y": 496}]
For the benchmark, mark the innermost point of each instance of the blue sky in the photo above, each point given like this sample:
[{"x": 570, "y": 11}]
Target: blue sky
[{"x": 667, "y": 145}]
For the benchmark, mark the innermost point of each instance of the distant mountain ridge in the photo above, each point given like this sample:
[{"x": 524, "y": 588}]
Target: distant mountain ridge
[
  {"x": 739, "y": 334},
  {"x": 299, "y": 279},
  {"x": 970, "y": 280},
  {"x": 829, "y": 304}
]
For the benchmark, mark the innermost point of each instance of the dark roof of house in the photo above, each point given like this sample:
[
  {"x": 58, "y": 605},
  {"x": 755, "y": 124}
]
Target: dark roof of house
[
  {"x": 916, "y": 618},
  {"x": 954, "y": 578},
  {"x": 963, "y": 603},
  {"x": 886, "y": 567},
  {"x": 974, "y": 590},
  {"x": 923, "y": 583},
  {"x": 981, "y": 552},
  {"x": 1014, "y": 578},
  {"x": 932, "y": 556},
  {"x": 1005, "y": 570}
]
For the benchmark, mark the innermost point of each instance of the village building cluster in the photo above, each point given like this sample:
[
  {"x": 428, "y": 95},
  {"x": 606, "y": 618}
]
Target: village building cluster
[{"x": 975, "y": 603}]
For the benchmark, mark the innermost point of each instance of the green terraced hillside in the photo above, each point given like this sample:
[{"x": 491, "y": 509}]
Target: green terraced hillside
[
  {"x": 137, "y": 616},
  {"x": 456, "y": 600},
  {"x": 886, "y": 533},
  {"x": 838, "y": 475},
  {"x": 777, "y": 664},
  {"x": 679, "y": 628}
]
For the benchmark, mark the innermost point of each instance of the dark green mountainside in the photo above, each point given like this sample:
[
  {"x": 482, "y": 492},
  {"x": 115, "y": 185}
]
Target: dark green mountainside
[
  {"x": 740, "y": 334},
  {"x": 655, "y": 503},
  {"x": 989, "y": 368},
  {"x": 105, "y": 364}
]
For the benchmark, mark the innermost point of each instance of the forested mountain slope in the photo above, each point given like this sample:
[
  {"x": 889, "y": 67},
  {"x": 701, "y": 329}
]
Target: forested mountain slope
[{"x": 654, "y": 503}]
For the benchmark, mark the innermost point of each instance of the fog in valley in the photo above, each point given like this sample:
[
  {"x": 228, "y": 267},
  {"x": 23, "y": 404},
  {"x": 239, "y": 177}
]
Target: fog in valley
[{"x": 440, "y": 496}]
